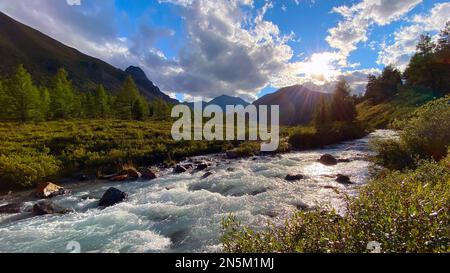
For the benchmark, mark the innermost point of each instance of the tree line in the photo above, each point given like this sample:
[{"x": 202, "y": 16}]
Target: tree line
[
  {"x": 22, "y": 100},
  {"x": 429, "y": 68}
]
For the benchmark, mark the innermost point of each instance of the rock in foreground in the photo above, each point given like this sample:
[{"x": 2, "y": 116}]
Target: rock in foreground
[
  {"x": 111, "y": 197},
  {"x": 328, "y": 160},
  {"x": 49, "y": 190},
  {"x": 343, "y": 179},
  {"x": 11, "y": 208},
  {"x": 296, "y": 177},
  {"x": 47, "y": 207}
]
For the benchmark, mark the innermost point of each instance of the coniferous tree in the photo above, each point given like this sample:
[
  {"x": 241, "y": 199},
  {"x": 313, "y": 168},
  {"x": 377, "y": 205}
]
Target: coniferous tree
[
  {"x": 44, "y": 95},
  {"x": 343, "y": 107},
  {"x": 322, "y": 120},
  {"x": 25, "y": 96},
  {"x": 101, "y": 103},
  {"x": 126, "y": 98},
  {"x": 62, "y": 96},
  {"x": 140, "y": 109}
]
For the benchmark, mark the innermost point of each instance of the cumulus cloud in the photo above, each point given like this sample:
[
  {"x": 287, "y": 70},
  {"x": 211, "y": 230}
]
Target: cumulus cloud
[
  {"x": 403, "y": 47},
  {"x": 228, "y": 50},
  {"x": 358, "y": 18}
]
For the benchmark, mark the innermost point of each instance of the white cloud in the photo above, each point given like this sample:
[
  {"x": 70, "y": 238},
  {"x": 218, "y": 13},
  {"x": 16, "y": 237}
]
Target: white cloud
[
  {"x": 405, "y": 39},
  {"x": 73, "y": 2},
  {"x": 359, "y": 17}
]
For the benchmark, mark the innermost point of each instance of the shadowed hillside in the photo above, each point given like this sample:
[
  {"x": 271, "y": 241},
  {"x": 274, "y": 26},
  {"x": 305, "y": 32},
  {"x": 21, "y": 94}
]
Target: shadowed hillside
[
  {"x": 297, "y": 104},
  {"x": 42, "y": 56}
]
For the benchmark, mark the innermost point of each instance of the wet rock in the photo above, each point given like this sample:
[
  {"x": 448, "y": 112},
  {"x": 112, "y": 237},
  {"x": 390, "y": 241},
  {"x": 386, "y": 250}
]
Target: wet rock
[
  {"x": 344, "y": 160},
  {"x": 258, "y": 192},
  {"x": 179, "y": 169},
  {"x": 82, "y": 177},
  {"x": 87, "y": 197},
  {"x": 231, "y": 169},
  {"x": 49, "y": 190},
  {"x": 11, "y": 208},
  {"x": 111, "y": 197},
  {"x": 232, "y": 154},
  {"x": 132, "y": 173},
  {"x": 206, "y": 175},
  {"x": 295, "y": 177},
  {"x": 301, "y": 206},
  {"x": 201, "y": 167},
  {"x": 148, "y": 174},
  {"x": 328, "y": 160},
  {"x": 120, "y": 178},
  {"x": 343, "y": 179},
  {"x": 47, "y": 207}
]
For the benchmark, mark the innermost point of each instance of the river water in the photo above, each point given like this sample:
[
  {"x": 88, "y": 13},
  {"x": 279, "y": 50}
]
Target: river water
[{"x": 183, "y": 213}]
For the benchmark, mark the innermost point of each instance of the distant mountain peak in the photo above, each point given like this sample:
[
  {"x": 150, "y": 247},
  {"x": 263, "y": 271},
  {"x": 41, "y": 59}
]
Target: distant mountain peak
[{"x": 136, "y": 72}]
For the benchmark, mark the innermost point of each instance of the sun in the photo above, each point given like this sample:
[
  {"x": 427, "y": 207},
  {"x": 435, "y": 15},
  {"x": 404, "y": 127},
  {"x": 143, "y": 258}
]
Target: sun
[{"x": 320, "y": 67}]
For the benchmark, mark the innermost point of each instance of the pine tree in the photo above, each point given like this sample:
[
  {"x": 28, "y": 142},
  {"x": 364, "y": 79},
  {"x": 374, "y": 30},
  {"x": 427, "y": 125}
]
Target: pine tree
[
  {"x": 44, "y": 103},
  {"x": 101, "y": 102},
  {"x": 25, "y": 96},
  {"x": 125, "y": 99},
  {"x": 160, "y": 110},
  {"x": 322, "y": 120},
  {"x": 343, "y": 106},
  {"x": 140, "y": 109},
  {"x": 62, "y": 96}
]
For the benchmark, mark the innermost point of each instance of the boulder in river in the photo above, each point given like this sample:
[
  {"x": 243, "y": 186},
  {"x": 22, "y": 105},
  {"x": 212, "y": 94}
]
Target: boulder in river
[
  {"x": 120, "y": 177},
  {"x": 111, "y": 197},
  {"x": 47, "y": 207},
  {"x": 343, "y": 179},
  {"x": 344, "y": 160},
  {"x": 11, "y": 208},
  {"x": 206, "y": 175},
  {"x": 202, "y": 166},
  {"x": 148, "y": 174},
  {"x": 294, "y": 177},
  {"x": 49, "y": 190},
  {"x": 131, "y": 172},
  {"x": 179, "y": 169},
  {"x": 328, "y": 160}
]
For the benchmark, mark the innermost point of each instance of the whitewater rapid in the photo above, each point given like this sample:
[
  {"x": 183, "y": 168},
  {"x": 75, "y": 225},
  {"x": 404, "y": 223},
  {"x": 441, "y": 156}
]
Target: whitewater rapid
[{"x": 183, "y": 212}]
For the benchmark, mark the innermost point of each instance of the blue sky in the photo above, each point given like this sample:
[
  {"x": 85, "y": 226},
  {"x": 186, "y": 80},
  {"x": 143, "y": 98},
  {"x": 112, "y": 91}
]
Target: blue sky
[{"x": 246, "y": 48}]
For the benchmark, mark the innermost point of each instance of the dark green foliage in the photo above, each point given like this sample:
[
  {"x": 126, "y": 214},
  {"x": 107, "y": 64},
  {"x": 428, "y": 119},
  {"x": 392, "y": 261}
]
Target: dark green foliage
[
  {"x": 21, "y": 100},
  {"x": 309, "y": 138},
  {"x": 424, "y": 135},
  {"x": 430, "y": 66},
  {"x": 23, "y": 96},
  {"x": 101, "y": 103},
  {"x": 62, "y": 96},
  {"x": 343, "y": 107},
  {"x": 385, "y": 86}
]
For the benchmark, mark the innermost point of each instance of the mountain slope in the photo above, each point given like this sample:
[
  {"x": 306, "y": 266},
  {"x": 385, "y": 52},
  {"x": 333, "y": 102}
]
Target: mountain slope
[
  {"x": 225, "y": 100},
  {"x": 42, "y": 56},
  {"x": 297, "y": 104}
]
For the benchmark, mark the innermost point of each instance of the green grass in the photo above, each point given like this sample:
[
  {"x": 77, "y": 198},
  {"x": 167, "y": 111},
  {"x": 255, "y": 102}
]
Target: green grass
[
  {"x": 30, "y": 153},
  {"x": 378, "y": 116}
]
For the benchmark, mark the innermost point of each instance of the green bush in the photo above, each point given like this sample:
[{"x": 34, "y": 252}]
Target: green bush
[
  {"x": 309, "y": 138},
  {"x": 425, "y": 135},
  {"x": 26, "y": 170}
]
